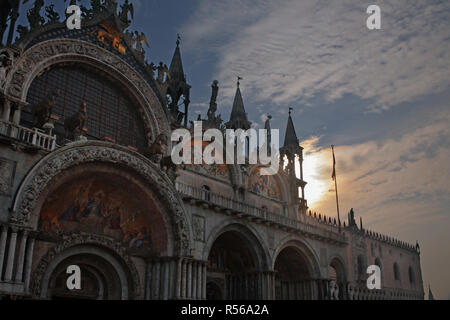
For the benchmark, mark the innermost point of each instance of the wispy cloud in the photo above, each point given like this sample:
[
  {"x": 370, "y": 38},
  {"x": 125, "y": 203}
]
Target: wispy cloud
[
  {"x": 289, "y": 51},
  {"x": 319, "y": 56},
  {"x": 400, "y": 186}
]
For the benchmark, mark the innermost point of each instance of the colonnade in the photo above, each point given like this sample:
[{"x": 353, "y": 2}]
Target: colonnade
[
  {"x": 297, "y": 290},
  {"x": 251, "y": 285},
  {"x": 176, "y": 278},
  {"x": 16, "y": 253}
]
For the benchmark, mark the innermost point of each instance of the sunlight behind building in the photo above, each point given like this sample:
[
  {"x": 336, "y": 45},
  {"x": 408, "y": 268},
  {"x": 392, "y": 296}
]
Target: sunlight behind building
[{"x": 315, "y": 164}]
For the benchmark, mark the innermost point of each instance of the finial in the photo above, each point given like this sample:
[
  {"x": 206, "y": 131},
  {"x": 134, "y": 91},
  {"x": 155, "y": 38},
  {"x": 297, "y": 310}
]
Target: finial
[
  {"x": 238, "y": 80},
  {"x": 178, "y": 39},
  {"x": 290, "y": 111}
]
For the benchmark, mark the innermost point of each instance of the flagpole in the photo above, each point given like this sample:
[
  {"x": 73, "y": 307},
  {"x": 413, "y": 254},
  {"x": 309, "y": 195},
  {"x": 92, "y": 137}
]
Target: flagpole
[{"x": 336, "y": 188}]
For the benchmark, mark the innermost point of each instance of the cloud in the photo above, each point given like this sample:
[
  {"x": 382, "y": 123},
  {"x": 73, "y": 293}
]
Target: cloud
[
  {"x": 404, "y": 198},
  {"x": 319, "y": 54},
  {"x": 290, "y": 51}
]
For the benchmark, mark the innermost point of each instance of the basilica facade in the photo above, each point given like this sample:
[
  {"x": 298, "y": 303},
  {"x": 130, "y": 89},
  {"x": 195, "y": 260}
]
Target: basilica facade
[{"x": 86, "y": 179}]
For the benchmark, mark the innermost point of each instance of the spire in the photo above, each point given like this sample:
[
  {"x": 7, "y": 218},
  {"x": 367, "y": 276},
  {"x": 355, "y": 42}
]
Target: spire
[
  {"x": 291, "y": 154},
  {"x": 176, "y": 66},
  {"x": 290, "y": 138},
  {"x": 238, "y": 118},
  {"x": 177, "y": 87}
]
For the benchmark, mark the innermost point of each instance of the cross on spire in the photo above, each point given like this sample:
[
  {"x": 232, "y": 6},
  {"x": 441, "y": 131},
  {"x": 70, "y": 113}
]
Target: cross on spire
[{"x": 239, "y": 80}]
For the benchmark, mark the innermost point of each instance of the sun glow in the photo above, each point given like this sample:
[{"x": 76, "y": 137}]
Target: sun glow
[{"x": 316, "y": 166}]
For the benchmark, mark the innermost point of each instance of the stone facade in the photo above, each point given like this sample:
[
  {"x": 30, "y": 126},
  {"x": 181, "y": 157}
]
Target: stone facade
[{"x": 141, "y": 228}]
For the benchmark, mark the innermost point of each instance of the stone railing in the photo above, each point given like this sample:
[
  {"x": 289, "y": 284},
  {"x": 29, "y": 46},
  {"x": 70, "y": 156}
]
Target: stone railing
[
  {"x": 34, "y": 137},
  {"x": 358, "y": 292},
  {"x": 244, "y": 210}
]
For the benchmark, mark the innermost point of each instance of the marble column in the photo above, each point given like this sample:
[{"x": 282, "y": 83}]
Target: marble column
[
  {"x": 29, "y": 262},
  {"x": 166, "y": 280},
  {"x": 172, "y": 278},
  {"x": 23, "y": 245},
  {"x": 157, "y": 280},
  {"x": 204, "y": 281},
  {"x": 3, "y": 247},
  {"x": 194, "y": 280},
  {"x": 17, "y": 114},
  {"x": 149, "y": 285},
  {"x": 226, "y": 293},
  {"x": 267, "y": 285},
  {"x": 199, "y": 281},
  {"x": 179, "y": 276},
  {"x": 6, "y": 110},
  {"x": 183, "y": 279},
  {"x": 189, "y": 280},
  {"x": 11, "y": 255}
]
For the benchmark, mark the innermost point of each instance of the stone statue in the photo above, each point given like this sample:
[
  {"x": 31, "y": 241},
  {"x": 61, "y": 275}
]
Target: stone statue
[
  {"x": 212, "y": 104},
  {"x": 215, "y": 91},
  {"x": 333, "y": 290},
  {"x": 138, "y": 39},
  {"x": 151, "y": 68},
  {"x": 44, "y": 109},
  {"x": 34, "y": 15},
  {"x": 267, "y": 123},
  {"x": 351, "y": 218},
  {"x": 157, "y": 150},
  {"x": 156, "y": 153},
  {"x": 5, "y": 65},
  {"x": 161, "y": 71},
  {"x": 74, "y": 125},
  {"x": 126, "y": 8},
  {"x": 169, "y": 167}
]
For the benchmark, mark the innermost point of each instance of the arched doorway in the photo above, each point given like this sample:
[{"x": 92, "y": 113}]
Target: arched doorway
[
  {"x": 104, "y": 275},
  {"x": 234, "y": 268},
  {"x": 99, "y": 280},
  {"x": 336, "y": 273},
  {"x": 295, "y": 276}
]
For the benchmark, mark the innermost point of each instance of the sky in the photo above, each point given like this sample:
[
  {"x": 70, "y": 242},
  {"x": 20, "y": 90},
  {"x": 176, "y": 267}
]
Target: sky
[{"x": 381, "y": 96}]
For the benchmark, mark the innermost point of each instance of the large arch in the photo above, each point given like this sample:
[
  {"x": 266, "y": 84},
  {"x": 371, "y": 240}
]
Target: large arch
[
  {"x": 236, "y": 259},
  {"x": 297, "y": 270},
  {"x": 340, "y": 275},
  {"x": 94, "y": 156},
  {"x": 45, "y": 54},
  {"x": 113, "y": 272}
]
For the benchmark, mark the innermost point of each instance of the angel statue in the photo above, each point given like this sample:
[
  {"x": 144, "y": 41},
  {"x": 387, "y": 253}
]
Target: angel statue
[{"x": 139, "y": 39}]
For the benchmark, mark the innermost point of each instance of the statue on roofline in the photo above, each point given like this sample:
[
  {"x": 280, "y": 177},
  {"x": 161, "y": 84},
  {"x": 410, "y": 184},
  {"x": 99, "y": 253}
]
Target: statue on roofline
[
  {"x": 44, "y": 109},
  {"x": 212, "y": 104},
  {"x": 75, "y": 125},
  {"x": 126, "y": 8}
]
